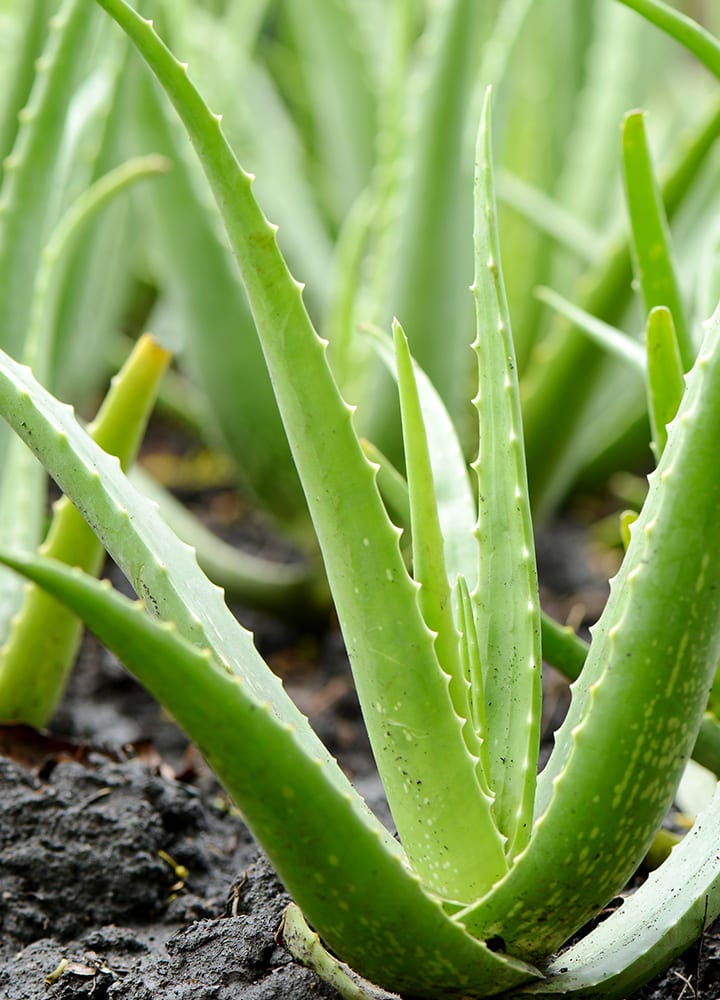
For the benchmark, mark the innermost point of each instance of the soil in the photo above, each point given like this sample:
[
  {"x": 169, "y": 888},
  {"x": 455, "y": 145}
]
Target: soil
[{"x": 125, "y": 872}]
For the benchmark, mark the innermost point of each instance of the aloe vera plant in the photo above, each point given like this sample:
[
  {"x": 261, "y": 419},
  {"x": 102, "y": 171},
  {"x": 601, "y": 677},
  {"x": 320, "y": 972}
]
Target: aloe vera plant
[{"x": 495, "y": 868}]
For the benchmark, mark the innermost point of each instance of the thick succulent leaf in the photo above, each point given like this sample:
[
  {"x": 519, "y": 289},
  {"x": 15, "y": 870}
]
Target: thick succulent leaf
[
  {"x": 665, "y": 384},
  {"x": 44, "y": 637},
  {"x": 471, "y": 683},
  {"x": 456, "y": 505},
  {"x": 655, "y": 647},
  {"x": 428, "y": 556},
  {"x": 506, "y": 598},
  {"x": 426, "y": 775},
  {"x": 560, "y": 645},
  {"x": 684, "y": 29},
  {"x": 457, "y": 511},
  {"x": 429, "y": 569},
  {"x": 652, "y": 927},
  {"x": 334, "y": 857},
  {"x": 650, "y": 234}
]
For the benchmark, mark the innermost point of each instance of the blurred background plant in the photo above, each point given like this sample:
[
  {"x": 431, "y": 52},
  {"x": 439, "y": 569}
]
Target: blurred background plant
[{"x": 358, "y": 117}]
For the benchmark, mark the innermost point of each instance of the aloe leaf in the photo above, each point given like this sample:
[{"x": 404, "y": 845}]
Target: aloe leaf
[
  {"x": 456, "y": 518},
  {"x": 472, "y": 670},
  {"x": 567, "y": 652},
  {"x": 650, "y": 234},
  {"x": 428, "y": 557},
  {"x": 651, "y": 648},
  {"x": 682, "y": 28},
  {"x": 434, "y": 778},
  {"x": 340, "y": 865},
  {"x": 44, "y": 637},
  {"x": 652, "y": 927},
  {"x": 563, "y": 648},
  {"x": 130, "y": 527},
  {"x": 665, "y": 384},
  {"x": 606, "y": 336},
  {"x": 456, "y": 505},
  {"x": 506, "y": 599},
  {"x": 428, "y": 554}
]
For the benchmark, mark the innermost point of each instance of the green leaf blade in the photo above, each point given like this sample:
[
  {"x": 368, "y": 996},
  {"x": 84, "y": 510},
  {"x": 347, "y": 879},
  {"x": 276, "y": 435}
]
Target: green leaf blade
[
  {"x": 506, "y": 599},
  {"x": 665, "y": 383},
  {"x": 427, "y": 541},
  {"x": 457, "y": 509},
  {"x": 650, "y": 233}
]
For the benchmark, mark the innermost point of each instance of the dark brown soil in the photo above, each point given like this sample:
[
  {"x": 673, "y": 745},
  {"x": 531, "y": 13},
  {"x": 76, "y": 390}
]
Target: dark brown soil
[{"x": 131, "y": 866}]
